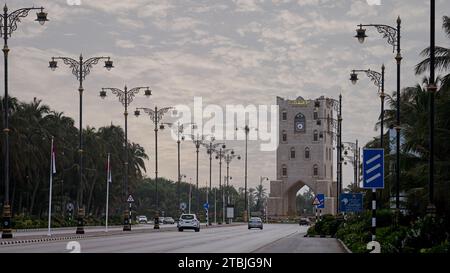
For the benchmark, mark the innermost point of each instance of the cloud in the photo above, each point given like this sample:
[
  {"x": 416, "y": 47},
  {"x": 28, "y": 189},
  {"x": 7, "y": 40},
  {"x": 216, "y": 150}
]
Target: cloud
[{"x": 125, "y": 44}]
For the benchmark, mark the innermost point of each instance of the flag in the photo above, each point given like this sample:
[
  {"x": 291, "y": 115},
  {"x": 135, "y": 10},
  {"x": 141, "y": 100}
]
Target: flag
[
  {"x": 109, "y": 173},
  {"x": 53, "y": 159}
]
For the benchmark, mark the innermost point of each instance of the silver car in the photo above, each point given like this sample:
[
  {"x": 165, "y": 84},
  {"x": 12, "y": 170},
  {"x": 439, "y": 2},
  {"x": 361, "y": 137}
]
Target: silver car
[
  {"x": 255, "y": 222},
  {"x": 188, "y": 221}
]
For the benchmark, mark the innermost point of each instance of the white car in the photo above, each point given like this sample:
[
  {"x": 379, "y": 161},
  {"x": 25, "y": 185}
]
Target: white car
[
  {"x": 142, "y": 219},
  {"x": 188, "y": 221}
]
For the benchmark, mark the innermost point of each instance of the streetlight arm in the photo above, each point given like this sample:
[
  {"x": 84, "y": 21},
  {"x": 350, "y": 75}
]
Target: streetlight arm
[
  {"x": 374, "y": 76},
  {"x": 125, "y": 97},
  {"x": 74, "y": 64},
  {"x": 14, "y": 17},
  {"x": 388, "y": 32},
  {"x": 155, "y": 116},
  {"x": 89, "y": 63}
]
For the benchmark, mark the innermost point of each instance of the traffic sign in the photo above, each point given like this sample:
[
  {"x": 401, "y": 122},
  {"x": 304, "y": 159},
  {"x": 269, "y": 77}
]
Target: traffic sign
[
  {"x": 351, "y": 202},
  {"x": 316, "y": 201},
  {"x": 373, "y": 169},
  {"x": 70, "y": 206},
  {"x": 319, "y": 201},
  {"x": 206, "y": 206},
  {"x": 183, "y": 206},
  {"x": 130, "y": 199}
]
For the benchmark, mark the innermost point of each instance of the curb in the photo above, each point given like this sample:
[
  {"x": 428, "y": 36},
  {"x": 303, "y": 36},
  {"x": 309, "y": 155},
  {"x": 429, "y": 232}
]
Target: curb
[
  {"x": 318, "y": 236},
  {"x": 95, "y": 235},
  {"x": 344, "y": 246},
  {"x": 41, "y": 240}
]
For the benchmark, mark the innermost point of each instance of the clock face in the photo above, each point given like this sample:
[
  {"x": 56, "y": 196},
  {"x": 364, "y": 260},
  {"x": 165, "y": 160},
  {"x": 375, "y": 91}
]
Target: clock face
[{"x": 300, "y": 126}]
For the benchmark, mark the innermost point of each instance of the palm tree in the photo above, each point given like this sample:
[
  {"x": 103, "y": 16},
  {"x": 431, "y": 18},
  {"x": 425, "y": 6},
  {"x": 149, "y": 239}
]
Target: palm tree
[
  {"x": 260, "y": 195},
  {"x": 442, "y": 57}
]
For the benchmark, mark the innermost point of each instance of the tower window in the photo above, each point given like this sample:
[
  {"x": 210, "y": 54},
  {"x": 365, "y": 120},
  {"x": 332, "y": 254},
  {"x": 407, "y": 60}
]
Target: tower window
[
  {"x": 284, "y": 115},
  {"x": 284, "y": 136},
  {"x": 307, "y": 153},
  {"x": 316, "y": 135},
  {"x": 292, "y": 153},
  {"x": 284, "y": 171},
  {"x": 316, "y": 170},
  {"x": 316, "y": 115}
]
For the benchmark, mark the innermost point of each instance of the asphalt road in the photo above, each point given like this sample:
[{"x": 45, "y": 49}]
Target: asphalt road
[{"x": 226, "y": 239}]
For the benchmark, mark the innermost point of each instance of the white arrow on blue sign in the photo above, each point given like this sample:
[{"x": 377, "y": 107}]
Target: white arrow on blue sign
[{"x": 373, "y": 169}]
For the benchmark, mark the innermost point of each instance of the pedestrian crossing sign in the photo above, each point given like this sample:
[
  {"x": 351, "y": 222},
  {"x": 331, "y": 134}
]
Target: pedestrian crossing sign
[{"x": 316, "y": 201}]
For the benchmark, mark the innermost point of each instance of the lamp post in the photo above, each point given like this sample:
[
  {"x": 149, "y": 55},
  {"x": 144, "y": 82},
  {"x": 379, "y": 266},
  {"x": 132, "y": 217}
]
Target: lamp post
[
  {"x": 80, "y": 69},
  {"x": 220, "y": 155},
  {"x": 180, "y": 138},
  {"x": 156, "y": 115},
  {"x": 261, "y": 179},
  {"x": 198, "y": 140},
  {"x": 8, "y": 24},
  {"x": 211, "y": 148},
  {"x": 126, "y": 97},
  {"x": 394, "y": 38},
  {"x": 247, "y": 131},
  {"x": 432, "y": 88},
  {"x": 354, "y": 160},
  {"x": 378, "y": 79},
  {"x": 336, "y": 124},
  {"x": 229, "y": 156}
]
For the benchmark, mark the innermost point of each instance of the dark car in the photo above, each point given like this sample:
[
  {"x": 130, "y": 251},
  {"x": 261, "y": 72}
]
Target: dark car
[{"x": 255, "y": 222}]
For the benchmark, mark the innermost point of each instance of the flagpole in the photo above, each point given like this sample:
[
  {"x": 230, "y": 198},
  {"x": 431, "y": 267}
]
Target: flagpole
[
  {"x": 107, "y": 194},
  {"x": 50, "y": 190}
]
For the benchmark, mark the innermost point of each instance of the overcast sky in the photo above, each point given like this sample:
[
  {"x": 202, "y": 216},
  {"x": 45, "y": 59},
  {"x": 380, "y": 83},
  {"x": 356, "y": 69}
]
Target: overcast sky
[{"x": 227, "y": 52}]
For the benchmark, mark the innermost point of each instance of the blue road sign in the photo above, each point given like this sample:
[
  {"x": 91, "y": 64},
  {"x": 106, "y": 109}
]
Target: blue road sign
[
  {"x": 351, "y": 202},
  {"x": 373, "y": 169},
  {"x": 321, "y": 198},
  {"x": 206, "y": 206}
]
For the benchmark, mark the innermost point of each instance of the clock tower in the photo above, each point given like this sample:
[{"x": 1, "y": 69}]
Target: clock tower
[{"x": 307, "y": 131}]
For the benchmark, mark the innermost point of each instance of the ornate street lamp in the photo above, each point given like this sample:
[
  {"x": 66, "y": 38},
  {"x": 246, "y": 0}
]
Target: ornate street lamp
[
  {"x": 336, "y": 124},
  {"x": 378, "y": 80},
  {"x": 180, "y": 137},
  {"x": 156, "y": 117},
  {"x": 8, "y": 24},
  {"x": 211, "y": 148},
  {"x": 80, "y": 69},
  {"x": 354, "y": 159},
  {"x": 229, "y": 156},
  {"x": 126, "y": 97},
  {"x": 220, "y": 154},
  {"x": 247, "y": 131},
  {"x": 393, "y": 36},
  {"x": 198, "y": 141}
]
